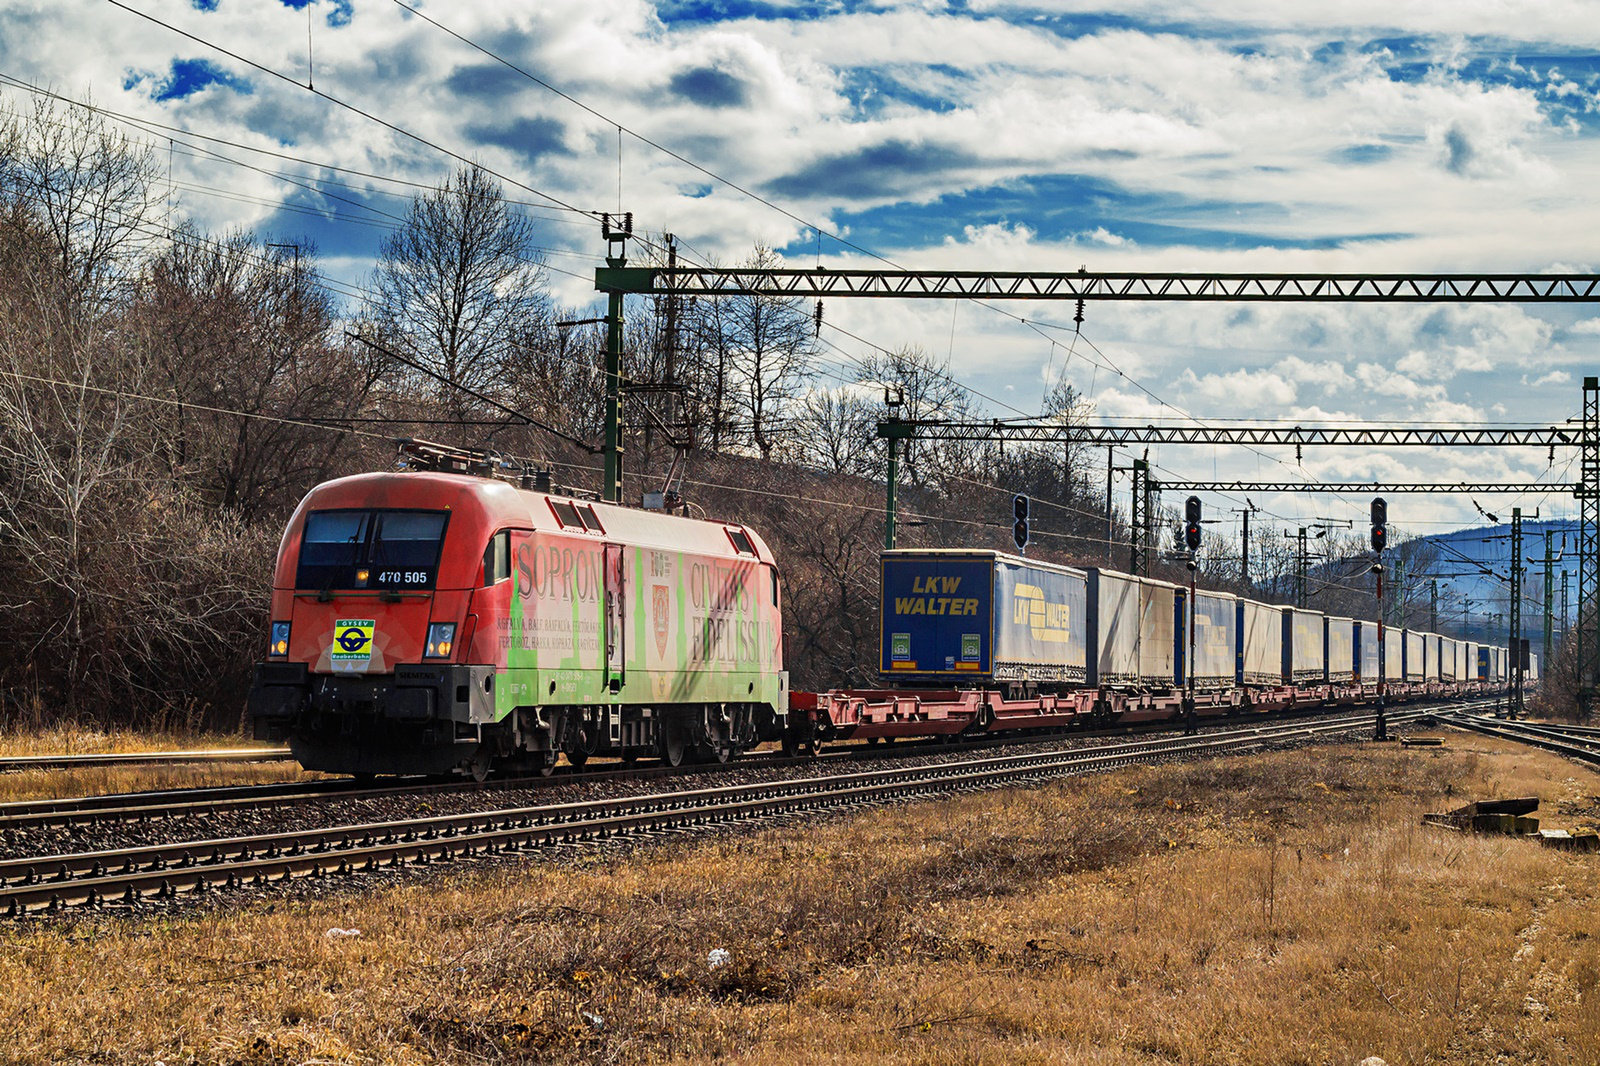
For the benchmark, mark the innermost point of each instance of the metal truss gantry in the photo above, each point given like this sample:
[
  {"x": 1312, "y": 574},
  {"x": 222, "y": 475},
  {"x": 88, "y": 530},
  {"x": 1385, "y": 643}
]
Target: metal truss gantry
[
  {"x": 1397, "y": 488},
  {"x": 617, "y": 279},
  {"x": 1083, "y": 285},
  {"x": 1589, "y": 547},
  {"x": 1042, "y": 431}
]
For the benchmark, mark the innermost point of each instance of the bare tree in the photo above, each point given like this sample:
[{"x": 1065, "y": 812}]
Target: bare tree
[
  {"x": 458, "y": 285},
  {"x": 924, "y": 388},
  {"x": 771, "y": 342},
  {"x": 229, "y": 326},
  {"x": 91, "y": 190},
  {"x": 836, "y": 429}
]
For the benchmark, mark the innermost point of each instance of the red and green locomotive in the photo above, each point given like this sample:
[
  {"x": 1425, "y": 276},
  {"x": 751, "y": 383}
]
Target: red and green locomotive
[{"x": 425, "y": 621}]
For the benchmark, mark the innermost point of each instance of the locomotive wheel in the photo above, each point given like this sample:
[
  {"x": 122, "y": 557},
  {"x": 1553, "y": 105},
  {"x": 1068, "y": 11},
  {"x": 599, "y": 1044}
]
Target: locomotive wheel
[
  {"x": 547, "y": 763},
  {"x": 577, "y": 758},
  {"x": 673, "y": 746},
  {"x": 481, "y": 764}
]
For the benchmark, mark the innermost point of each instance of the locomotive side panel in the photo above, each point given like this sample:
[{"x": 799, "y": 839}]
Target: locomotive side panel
[{"x": 592, "y": 622}]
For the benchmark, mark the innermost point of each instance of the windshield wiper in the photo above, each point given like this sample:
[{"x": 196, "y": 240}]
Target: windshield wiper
[{"x": 325, "y": 594}]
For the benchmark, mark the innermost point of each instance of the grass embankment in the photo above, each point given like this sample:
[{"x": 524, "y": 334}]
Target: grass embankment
[
  {"x": 1281, "y": 909},
  {"x": 76, "y": 739}
]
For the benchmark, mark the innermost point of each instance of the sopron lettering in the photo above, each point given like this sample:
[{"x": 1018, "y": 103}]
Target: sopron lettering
[{"x": 558, "y": 573}]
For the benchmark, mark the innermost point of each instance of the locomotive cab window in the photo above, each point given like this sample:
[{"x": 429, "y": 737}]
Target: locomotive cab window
[
  {"x": 741, "y": 541},
  {"x": 591, "y": 521},
  {"x": 370, "y": 549},
  {"x": 497, "y": 558},
  {"x": 773, "y": 571}
]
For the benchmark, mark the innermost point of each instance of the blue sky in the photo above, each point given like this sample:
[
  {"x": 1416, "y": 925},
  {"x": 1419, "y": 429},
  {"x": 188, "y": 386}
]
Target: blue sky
[{"x": 987, "y": 134}]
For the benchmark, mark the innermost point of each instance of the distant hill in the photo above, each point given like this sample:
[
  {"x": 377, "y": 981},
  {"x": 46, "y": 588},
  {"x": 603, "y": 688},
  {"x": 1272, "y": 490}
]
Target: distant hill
[{"x": 1462, "y": 554}]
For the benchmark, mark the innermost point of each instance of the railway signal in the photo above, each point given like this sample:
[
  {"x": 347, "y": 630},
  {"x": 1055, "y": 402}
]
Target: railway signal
[
  {"x": 1191, "y": 523},
  {"x": 1380, "y": 524},
  {"x": 1019, "y": 527}
]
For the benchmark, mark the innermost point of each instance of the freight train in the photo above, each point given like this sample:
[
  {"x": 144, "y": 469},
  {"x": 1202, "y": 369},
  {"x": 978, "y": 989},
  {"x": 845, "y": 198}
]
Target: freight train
[{"x": 439, "y": 619}]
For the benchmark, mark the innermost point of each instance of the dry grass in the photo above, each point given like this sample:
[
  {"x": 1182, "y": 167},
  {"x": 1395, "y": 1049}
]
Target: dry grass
[
  {"x": 73, "y": 738},
  {"x": 80, "y": 739},
  {"x": 1284, "y": 909},
  {"x": 102, "y": 780}
]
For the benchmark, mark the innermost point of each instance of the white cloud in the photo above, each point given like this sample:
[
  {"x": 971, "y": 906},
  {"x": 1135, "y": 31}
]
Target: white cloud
[
  {"x": 1036, "y": 144},
  {"x": 1249, "y": 389}
]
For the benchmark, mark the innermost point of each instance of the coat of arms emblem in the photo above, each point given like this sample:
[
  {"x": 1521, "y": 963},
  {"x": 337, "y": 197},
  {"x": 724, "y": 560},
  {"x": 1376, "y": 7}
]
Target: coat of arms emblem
[{"x": 659, "y": 607}]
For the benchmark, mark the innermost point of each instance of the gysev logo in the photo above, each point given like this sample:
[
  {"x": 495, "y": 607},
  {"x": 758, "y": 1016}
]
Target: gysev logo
[{"x": 352, "y": 640}]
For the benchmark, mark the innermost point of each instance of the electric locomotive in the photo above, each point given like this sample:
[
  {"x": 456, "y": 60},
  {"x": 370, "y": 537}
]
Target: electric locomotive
[{"x": 437, "y": 619}]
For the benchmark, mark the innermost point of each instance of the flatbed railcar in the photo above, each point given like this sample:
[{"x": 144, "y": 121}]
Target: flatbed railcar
[
  {"x": 441, "y": 620},
  {"x": 966, "y": 637}
]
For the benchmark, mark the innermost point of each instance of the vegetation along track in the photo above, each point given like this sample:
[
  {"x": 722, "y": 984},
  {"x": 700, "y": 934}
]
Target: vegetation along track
[
  {"x": 164, "y": 871},
  {"x": 131, "y": 758},
  {"x": 1573, "y": 742},
  {"x": 167, "y": 804}
]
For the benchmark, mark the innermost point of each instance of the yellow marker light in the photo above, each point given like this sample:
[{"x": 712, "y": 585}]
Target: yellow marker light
[
  {"x": 361, "y": 577},
  {"x": 281, "y": 648},
  {"x": 441, "y": 635}
]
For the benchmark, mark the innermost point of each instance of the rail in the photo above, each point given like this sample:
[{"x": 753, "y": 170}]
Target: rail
[{"x": 165, "y": 870}]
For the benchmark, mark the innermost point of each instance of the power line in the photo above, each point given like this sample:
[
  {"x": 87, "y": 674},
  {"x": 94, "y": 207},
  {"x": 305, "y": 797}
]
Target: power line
[{"x": 369, "y": 116}]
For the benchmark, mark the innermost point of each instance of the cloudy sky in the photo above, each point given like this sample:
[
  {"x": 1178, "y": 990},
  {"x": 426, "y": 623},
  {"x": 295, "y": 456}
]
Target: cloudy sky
[{"x": 1401, "y": 135}]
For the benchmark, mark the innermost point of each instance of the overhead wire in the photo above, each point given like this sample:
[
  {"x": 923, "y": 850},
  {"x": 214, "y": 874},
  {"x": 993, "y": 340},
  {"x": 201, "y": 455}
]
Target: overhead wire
[
  {"x": 369, "y": 116},
  {"x": 621, "y": 128}
]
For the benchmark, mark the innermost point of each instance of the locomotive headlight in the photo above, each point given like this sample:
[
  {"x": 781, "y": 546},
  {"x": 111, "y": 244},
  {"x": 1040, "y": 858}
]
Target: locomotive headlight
[
  {"x": 441, "y": 635},
  {"x": 278, "y": 642}
]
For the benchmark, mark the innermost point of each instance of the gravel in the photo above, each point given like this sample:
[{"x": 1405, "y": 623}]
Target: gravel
[{"x": 334, "y": 812}]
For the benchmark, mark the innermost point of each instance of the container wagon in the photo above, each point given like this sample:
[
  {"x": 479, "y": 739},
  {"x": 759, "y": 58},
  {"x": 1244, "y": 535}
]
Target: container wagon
[
  {"x": 1304, "y": 647},
  {"x": 1339, "y": 650},
  {"x": 1260, "y": 644},
  {"x": 1133, "y": 622},
  {"x": 976, "y": 616},
  {"x": 1215, "y": 619}
]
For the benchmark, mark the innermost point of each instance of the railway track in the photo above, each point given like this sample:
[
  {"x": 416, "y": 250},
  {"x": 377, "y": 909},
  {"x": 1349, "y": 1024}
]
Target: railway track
[
  {"x": 172, "y": 804},
  {"x": 167, "y": 870},
  {"x": 1574, "y": 743},
  {"x": 132, "y": 758}
]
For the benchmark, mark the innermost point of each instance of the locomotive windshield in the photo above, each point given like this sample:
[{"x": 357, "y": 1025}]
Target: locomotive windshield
[{"x": 370, "y": 549}]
